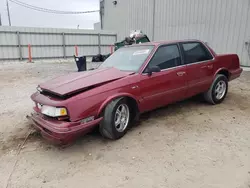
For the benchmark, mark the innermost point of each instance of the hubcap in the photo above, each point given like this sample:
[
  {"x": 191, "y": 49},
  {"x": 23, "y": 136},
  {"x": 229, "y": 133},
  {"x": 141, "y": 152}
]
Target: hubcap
[
  {"x": 121, "y": 117},
  {"x": 220, "y": 89}
]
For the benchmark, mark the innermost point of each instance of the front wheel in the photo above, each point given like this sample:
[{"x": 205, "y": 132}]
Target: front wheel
[
  {"x": 116, "y": 119},
  {"x": 218, "y": 90}
]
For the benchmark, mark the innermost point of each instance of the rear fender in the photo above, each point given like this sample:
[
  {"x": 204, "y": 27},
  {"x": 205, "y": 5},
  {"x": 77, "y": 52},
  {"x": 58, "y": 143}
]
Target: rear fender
[
  {"x": 219, "y": 70},
  {"x": 109, "y": 99}
]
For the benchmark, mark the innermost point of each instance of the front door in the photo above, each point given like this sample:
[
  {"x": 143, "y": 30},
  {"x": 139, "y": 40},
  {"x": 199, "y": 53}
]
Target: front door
[{"x": 167, "y": 86}]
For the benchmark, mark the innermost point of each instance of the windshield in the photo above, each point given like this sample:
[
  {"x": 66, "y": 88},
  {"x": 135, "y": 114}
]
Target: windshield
[{"x": 128, "y": 58}]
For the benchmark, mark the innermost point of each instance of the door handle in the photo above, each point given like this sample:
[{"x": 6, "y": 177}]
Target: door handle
[
  {"x": 181, "y": 73},
  {"x": 210, "y": 66},
  {"x": 207, "y": 67},
  {"x": 204, "y": 67}
]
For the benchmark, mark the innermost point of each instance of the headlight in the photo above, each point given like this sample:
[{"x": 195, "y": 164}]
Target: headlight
[{"x": 53, "y": 111}]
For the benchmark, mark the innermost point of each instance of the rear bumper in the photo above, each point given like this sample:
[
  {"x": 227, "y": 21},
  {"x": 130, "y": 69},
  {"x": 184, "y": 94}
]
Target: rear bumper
[
  {"x": 235, "y": 74},
  {"x": 60, "y": 132}
]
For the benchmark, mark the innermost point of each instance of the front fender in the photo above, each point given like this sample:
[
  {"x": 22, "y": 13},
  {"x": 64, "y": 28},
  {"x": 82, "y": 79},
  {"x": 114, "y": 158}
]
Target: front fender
[{"x": 118, "y": 95}]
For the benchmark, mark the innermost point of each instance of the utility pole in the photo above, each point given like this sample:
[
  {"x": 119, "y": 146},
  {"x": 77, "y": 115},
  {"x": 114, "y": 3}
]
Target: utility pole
[
  {"x": 8, "y": 10},
  {"x": 0, "y": 20}
]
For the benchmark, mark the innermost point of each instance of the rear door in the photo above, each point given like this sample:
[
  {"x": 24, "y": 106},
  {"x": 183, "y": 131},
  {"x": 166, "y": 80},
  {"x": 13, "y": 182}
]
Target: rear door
[
  {"x": 167, "y": 86},
  {"x": 199, "y": 63}
]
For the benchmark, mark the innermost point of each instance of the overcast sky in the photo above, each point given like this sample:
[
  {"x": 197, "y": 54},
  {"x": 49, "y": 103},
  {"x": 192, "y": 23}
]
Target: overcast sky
[{"x": 21, "y": 16}]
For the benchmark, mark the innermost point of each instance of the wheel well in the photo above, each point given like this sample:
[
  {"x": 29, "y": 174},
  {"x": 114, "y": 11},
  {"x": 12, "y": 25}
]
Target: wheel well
[
  {"x": 133, "y": 107},
  {"x": 132, "y": 104},
  {"x": 225, "y": 73}
]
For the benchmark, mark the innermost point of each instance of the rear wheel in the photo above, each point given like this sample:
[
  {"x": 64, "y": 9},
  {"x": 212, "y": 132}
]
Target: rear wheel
[
  {"x": 218, "y": 90},
  {"x": 116, "y": 119}
]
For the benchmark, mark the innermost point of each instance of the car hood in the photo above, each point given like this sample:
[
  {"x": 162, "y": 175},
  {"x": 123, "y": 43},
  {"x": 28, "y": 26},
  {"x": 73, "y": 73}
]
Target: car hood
[{"x": 80, "y": 81}]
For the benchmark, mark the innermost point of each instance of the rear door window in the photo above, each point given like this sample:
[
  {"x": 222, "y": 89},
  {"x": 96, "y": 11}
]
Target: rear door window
[{"x": 195, "y": 52}]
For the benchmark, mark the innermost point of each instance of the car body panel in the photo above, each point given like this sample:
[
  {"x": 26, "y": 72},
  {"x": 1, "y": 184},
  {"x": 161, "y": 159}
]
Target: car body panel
[
  {"x": 77, "y": 81},
  {"x": 162, "y": 88},
  {"x": 88, "y": 103},
  {"x": 200, "y": 76},
  {"x": 95, "y": 89},
  {"x": 61, "y": 132}
]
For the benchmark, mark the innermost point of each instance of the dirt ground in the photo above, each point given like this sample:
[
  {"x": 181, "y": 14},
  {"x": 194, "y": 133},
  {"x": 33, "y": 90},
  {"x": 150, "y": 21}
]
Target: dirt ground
[{"x": 189, "y": 144}]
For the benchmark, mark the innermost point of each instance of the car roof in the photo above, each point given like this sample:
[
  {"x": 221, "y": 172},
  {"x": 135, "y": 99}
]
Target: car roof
[{"x": 158, "y": 43}]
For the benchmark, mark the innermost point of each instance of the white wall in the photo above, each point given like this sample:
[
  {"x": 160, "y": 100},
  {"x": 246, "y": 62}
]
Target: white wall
[
  {"x": 128, "y": 15},
  {"x": 97, "y": 26},
  {"x": 224, "y": 24}
]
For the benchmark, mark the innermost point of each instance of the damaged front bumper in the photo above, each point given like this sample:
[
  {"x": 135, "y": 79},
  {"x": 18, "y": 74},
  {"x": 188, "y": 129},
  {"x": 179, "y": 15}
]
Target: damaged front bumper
[{"x": 61, "y": 132}]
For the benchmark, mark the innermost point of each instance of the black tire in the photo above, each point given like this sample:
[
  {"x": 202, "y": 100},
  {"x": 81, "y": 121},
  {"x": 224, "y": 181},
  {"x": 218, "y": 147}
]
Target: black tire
[
  {"x": 210, "y": 95},
  {"x": 107, "y": 126}
]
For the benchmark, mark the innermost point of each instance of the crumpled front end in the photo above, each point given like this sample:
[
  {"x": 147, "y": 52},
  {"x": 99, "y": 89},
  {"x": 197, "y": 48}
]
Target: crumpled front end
[{"x": 55, "y": 127}]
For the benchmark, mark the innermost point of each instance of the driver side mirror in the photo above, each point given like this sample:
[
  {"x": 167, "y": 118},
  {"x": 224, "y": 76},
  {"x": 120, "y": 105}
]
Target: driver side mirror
[{"x": 152, "y": 69}]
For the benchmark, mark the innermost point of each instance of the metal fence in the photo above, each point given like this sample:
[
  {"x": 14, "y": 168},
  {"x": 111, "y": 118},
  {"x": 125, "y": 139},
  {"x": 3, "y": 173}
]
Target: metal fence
[{"x": 52, "y": 43}]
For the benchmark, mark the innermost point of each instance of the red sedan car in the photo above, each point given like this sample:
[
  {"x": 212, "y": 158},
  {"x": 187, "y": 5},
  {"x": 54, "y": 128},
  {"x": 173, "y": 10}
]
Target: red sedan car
[{"x": 133, "y": 80}]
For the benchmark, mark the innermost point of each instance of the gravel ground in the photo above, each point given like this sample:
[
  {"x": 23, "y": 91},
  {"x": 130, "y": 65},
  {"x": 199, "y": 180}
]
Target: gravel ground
[{"x": 189, "y": 144}]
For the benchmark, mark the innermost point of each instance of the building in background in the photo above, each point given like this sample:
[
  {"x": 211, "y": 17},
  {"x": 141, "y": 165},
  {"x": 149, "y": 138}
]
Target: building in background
[
  {"x": 97, "y": 26},
  {"x": 223, "y": 24}
]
